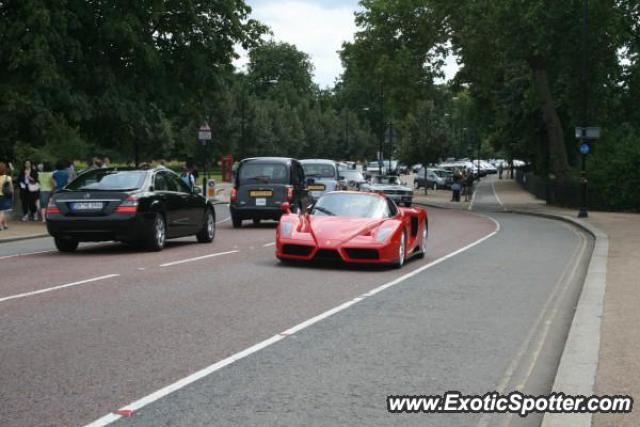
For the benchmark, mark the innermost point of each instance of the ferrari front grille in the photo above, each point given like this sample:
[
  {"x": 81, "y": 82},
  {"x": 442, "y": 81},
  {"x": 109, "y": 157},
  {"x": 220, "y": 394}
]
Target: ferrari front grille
[
  {"x": 358, "y": 253},
  {"x": 327, "y": 255},
  {"x": 299, "y": 250}
]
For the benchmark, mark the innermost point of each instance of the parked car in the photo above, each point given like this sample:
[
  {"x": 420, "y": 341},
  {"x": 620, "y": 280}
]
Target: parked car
[
  {"x": 346, "y": 226},
  {"x": 353, "y": 179},
  {"x": 262, "y": 184},
  {"x": 325, "y": 176},
  {"x": 392, "y": 187},
  {"x": 134, "y": 206},
  {"x": 374, "y": 168},
  {"x": 435, "y": 179}
]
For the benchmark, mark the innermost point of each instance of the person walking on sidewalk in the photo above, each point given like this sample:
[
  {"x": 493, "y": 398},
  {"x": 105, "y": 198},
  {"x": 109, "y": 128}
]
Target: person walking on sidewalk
[
  {"x": 46, "y": 186},
  {"x": 456, "y": 187},
  {"x": 468, "y": 178},
  {"x": 6, "y": 195},
  {"x": 29, "y": 191},
  {"x": 60, "y": 177}
]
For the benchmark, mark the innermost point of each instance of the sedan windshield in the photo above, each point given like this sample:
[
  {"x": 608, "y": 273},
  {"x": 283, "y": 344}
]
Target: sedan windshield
[
  {"x": 108, "y": 180},
  {"x": 351, "y": 205},
  {"x": 320, "y": 170},
  {"x": 387, "y": 180}
]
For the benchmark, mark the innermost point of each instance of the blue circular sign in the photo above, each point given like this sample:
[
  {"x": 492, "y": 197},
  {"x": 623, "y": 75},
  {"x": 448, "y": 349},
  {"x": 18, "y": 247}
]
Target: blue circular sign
[{"x": 584, "y": 148}]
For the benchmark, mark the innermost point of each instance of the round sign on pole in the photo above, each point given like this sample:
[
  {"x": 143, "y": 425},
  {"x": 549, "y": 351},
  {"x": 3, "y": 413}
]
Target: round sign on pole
[{"x": 584, "y": 148}]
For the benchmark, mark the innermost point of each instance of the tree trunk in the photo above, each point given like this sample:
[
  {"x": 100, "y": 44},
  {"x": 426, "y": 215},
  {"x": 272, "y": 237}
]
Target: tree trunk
[{"x": 555, "y": 135}]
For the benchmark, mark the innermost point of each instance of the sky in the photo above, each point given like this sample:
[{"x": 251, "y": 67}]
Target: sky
[{"x": 317, "y": 27}]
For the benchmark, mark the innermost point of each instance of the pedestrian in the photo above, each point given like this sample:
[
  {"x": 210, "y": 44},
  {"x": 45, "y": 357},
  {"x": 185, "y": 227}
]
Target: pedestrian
[
  {"x": 456, "y": 186},
  {"x": 187, "y": 177},
  {"x": 46, "y": 186},
  {"x": 500, "y": 170},
  {"x": 60, "y": 177},
  {"x": 71, "y": 169},
  {"x": 29, "y": 191},
  {"x": 469, "y": 186},
  {"x": 6, "y": 195},
  {"x": 106, "y": 163}
]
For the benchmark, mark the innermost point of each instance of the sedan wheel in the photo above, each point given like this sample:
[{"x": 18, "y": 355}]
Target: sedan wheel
[
  {"x": 66, "y": 245},
  {"x": 158, "y": 234},
  {"x": 208, "y": 232}
]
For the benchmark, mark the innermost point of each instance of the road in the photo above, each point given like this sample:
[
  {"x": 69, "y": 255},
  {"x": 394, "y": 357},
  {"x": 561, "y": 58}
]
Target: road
[{"x": 84, "y": 334}]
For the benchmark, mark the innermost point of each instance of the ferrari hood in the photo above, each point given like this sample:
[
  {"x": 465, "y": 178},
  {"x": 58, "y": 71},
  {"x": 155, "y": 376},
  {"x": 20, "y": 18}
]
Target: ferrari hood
[{"x": 331, "y": 230}]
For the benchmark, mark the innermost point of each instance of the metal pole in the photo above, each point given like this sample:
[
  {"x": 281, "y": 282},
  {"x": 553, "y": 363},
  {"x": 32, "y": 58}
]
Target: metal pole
[
  {"x": 583, "y": 213},
  {"x": 382, "y": 128}
]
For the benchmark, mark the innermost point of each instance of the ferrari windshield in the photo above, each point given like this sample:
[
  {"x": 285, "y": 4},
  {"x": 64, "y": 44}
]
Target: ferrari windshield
[{"x": 358, "y": 205}]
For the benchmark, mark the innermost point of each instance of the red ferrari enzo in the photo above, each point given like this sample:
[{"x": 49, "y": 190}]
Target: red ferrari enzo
[{"x": 354, "y": 227}]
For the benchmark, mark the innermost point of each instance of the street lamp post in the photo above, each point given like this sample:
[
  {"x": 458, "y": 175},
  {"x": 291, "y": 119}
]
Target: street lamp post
[
  {"x": 583, "y": 213},
  {"x": 382, "y": 129},
  {"x": 204, "y": 136}
]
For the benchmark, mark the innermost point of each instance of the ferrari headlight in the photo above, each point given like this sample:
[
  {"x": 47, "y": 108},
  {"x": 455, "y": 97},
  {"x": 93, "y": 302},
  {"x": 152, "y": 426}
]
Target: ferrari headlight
[
  {"x": 285, "y": 228},
  {"x": 383, "y": 233}
]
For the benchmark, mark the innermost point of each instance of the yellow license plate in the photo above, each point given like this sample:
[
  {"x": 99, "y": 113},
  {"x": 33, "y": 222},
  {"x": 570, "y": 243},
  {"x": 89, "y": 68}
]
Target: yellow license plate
[
  {"x": 261, "y": 193},
  {"x": 318, "y": 187}
]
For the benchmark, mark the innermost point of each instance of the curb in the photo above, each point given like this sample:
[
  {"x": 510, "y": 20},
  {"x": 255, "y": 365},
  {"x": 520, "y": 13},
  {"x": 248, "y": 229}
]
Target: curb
[
  {"x": 27, "y": 237},
  {"x": 578, "y": 365}
]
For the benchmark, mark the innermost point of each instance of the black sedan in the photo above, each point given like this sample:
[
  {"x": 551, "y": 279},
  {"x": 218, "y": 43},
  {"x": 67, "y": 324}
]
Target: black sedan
[{"x": 139, "y": 207}]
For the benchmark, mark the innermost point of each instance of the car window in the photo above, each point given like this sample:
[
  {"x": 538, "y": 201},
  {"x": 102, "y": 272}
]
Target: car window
[
  {"x": 392, "y": 209},
  {"x": 319, "y": 170},
  {"x": 171, "y": 184},
  {"x": 108, "y": 180},
  {"x": 160, "y": 182},
  {"x": 176, "y": 184},
  {"x": 359, "y": 205},
  {"x": 263, "y": 173}
]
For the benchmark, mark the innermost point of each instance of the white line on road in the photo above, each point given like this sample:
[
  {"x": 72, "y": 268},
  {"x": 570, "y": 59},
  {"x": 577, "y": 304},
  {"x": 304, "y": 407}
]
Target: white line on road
[
  {"x": 182, "y": 261},
  {"x": 266, "y": 245},
  {"x": 163, "y": 392},
  {"x": 55, "y": 288},
  {"x": 493, "y": 187},
  {"x": 223, "y": 220},
  {"x": 26, "y": 254}
]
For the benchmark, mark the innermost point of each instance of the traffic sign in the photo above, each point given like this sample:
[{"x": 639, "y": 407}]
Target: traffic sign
[
  {"x": 589, "y": 133},
  {"x": 390, "y": 135},
  {"x": 204, "y": 133},
  {"x": 584, "y": 148}
]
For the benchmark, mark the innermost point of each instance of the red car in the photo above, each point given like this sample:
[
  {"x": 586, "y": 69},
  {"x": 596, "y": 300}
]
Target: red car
[{"x": 354, "y": 227}]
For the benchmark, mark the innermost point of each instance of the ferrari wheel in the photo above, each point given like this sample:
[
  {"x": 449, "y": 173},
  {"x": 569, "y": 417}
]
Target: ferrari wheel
[
  {"x": 401, "y": 252},
  {"x": 423, "y": 243}
]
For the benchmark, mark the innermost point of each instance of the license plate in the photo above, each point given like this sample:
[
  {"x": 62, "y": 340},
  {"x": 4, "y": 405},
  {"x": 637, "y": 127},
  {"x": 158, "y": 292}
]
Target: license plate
[
  {"x": 86, "y": 206},
  {"x": 262, "y": 193},
  {"x": 316, "y": 187},
  {"x": 261, "y": 202}
]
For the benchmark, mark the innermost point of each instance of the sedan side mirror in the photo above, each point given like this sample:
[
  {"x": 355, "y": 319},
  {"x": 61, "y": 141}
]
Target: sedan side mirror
[
  {"x": 285, "y": 207},
  {"x": 196, "y": 190}
]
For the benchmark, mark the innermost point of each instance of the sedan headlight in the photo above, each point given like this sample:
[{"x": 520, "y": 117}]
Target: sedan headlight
[{"x": 383, "y": 233}]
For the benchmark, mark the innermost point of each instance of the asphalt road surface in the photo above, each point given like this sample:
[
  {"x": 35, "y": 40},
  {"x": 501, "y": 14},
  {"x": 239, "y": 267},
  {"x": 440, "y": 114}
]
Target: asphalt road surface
[{"x": 88, "y": 333}]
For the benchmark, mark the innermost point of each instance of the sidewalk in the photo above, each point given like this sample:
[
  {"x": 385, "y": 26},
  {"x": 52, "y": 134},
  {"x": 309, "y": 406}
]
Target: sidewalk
[
  {"x": 618, "y": 369},
  {"x": 19, "y": 230}
]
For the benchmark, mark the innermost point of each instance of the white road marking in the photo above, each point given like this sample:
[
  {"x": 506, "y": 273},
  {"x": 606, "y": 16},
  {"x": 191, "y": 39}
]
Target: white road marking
[
  {"x": 163, "y": 392},
  {"x": 182, "y": 261},
  {"x": 25, "y": 254},
  {"x": 493, "y": 187},
  {"x": 266, "y": 245},
  {"x": 55, "y": 288},
  {"x": 223, "y": 220}
]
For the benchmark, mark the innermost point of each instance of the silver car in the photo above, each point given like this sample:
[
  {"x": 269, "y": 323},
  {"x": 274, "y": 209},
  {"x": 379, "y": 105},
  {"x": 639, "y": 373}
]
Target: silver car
[
  {"x": 392, "y": 187},
  {"x": 321, "y": 176}
]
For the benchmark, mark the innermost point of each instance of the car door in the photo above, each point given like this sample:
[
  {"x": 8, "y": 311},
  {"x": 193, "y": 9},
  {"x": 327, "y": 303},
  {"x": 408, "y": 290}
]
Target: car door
[
  {"x": 195, "y": 204},
  {"x": 181, "y": 211}
]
